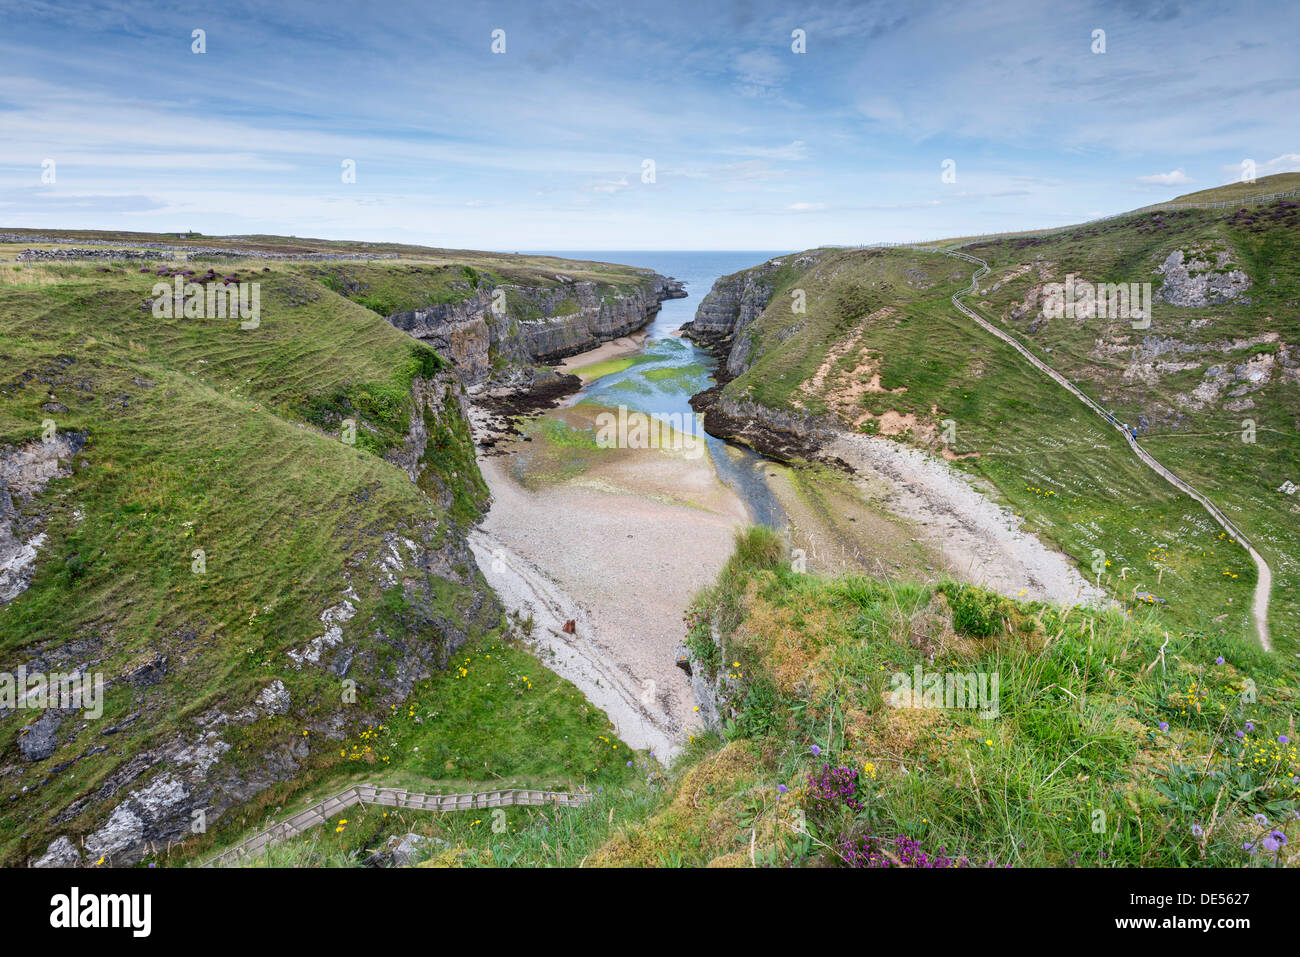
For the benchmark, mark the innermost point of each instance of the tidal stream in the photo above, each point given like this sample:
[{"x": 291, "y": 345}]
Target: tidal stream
[{"x": 669, "y": 369}]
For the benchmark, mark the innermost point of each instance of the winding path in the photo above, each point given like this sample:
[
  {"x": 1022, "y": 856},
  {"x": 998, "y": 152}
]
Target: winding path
[{"x": 1264, "y": 582}]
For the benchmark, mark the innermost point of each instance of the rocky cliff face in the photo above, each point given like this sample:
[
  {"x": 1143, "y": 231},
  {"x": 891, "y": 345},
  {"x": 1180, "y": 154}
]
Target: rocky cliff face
[
  {"x": 497, "y": 334},
  {"x": 732, "y": 304},
  {"x": 729, "y": 307},
  {"x": 784, "y": 436}
]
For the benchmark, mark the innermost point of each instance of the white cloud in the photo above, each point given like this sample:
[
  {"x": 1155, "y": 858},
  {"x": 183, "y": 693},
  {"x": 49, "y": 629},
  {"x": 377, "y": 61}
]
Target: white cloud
[
  {"x": 806, "y": 207},
  {"x": 609, "y": 185},
  {"x": 795, "y": 150},
  {"x": 1176, "y": 177},
  {"x": 1286, "y": 163}
]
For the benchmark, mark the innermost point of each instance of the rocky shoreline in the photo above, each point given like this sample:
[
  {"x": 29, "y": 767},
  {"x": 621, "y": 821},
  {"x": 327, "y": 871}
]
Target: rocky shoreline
[
  {"x": 492, "y": 412},
  {"x": 784, "y": 437}
]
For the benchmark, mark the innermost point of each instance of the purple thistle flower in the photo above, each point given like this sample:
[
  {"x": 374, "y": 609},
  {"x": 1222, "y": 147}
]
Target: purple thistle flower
[
  {"x": 1261, "y": 820},
  {"x": 780, "y": 788},
  {"x": 816, "y": 751},
  {"x": 1283, "y": 739},
  {"x": 1198, "y": 832},
  {"x": 1164, "y": 725},
  {"x": 1241, "y": 734},
  {"x": 1219, "y": 660},
  {"x": 1273, "y": 843},
  {"x": 1250, "y": 726}
]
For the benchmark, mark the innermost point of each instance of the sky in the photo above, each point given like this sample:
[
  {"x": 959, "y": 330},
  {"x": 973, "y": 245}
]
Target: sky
[{"x": 632, "y": 126}]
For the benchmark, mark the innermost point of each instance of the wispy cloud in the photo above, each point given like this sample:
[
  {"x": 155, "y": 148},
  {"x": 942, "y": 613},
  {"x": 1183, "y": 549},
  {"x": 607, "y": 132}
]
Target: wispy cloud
[
  {"x": 1286, "y": 163},
  {"x": 543, "y": 146},
  {"x": 1177, "y": 177},
  {"x": 609, "y": 185},
  {"x": 790, "y": 152},
  {"x": 759, "y": 72}
]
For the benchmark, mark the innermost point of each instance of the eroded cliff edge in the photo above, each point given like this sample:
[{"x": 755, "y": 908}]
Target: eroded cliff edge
[
  {"x": 723, "y": 326},
  {"x": 499, "y": 334}
]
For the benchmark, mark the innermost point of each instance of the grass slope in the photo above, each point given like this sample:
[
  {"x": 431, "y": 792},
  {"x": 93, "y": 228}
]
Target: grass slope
[
  {"x": 1028, "y": 441},
  {"x": 201, "y": 435},
  {"x": 1114, "y": 743}
]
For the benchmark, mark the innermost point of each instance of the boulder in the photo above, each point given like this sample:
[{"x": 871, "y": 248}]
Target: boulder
[{"x": 39, "y": 742}]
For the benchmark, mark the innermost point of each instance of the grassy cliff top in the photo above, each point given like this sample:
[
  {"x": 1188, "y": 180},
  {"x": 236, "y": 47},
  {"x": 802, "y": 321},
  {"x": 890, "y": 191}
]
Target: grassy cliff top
[
  {"x": 218, "y": 517},
  {"x": 289, "y": 246},
  {"x": 384, "y": 277}
]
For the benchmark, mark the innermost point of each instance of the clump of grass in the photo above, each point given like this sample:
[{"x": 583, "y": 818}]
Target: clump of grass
[
  {"x": 756, "y": 548},
  {"x": 980, "y": 613}
]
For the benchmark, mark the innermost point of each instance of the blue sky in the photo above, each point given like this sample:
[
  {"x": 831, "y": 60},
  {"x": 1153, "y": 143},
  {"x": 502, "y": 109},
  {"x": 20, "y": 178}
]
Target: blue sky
[{"x": 543, "y": 147}]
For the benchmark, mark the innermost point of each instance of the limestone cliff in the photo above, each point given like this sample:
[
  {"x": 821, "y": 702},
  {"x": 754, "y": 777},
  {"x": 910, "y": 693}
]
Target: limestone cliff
[
  {"x": 733, "y": 303},
  {"x": 497, "y": 334}
]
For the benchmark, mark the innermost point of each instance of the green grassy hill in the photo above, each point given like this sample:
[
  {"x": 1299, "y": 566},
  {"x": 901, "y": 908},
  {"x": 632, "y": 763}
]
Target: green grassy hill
[
  {"x": 215, "y": 518},
  {"x": 1214, "y": 385},
  {"x": 1236, "y": 192},
  {"x": 880, "y": 349}
]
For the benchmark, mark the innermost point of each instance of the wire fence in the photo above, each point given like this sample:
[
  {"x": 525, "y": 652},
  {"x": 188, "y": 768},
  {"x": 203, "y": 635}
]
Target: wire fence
[{"x": 982, "y": 237}]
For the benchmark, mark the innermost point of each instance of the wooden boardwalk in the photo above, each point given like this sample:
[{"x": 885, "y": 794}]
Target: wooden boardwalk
[{"x": 367, "y": 794}]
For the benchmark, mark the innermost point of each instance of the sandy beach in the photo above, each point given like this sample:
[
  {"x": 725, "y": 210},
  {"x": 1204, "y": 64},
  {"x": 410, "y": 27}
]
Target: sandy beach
[{"x": 620, "y": 548}]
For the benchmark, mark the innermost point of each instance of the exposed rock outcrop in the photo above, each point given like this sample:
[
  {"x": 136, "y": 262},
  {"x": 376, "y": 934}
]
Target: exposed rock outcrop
[
  {"x": 24, "y": 472},
  {"x": 37, "y": 741},
  {"x": 786, "y": 436},
  {"x": 61, "y": 853},
  {"x": 1201, "y": 277}
]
